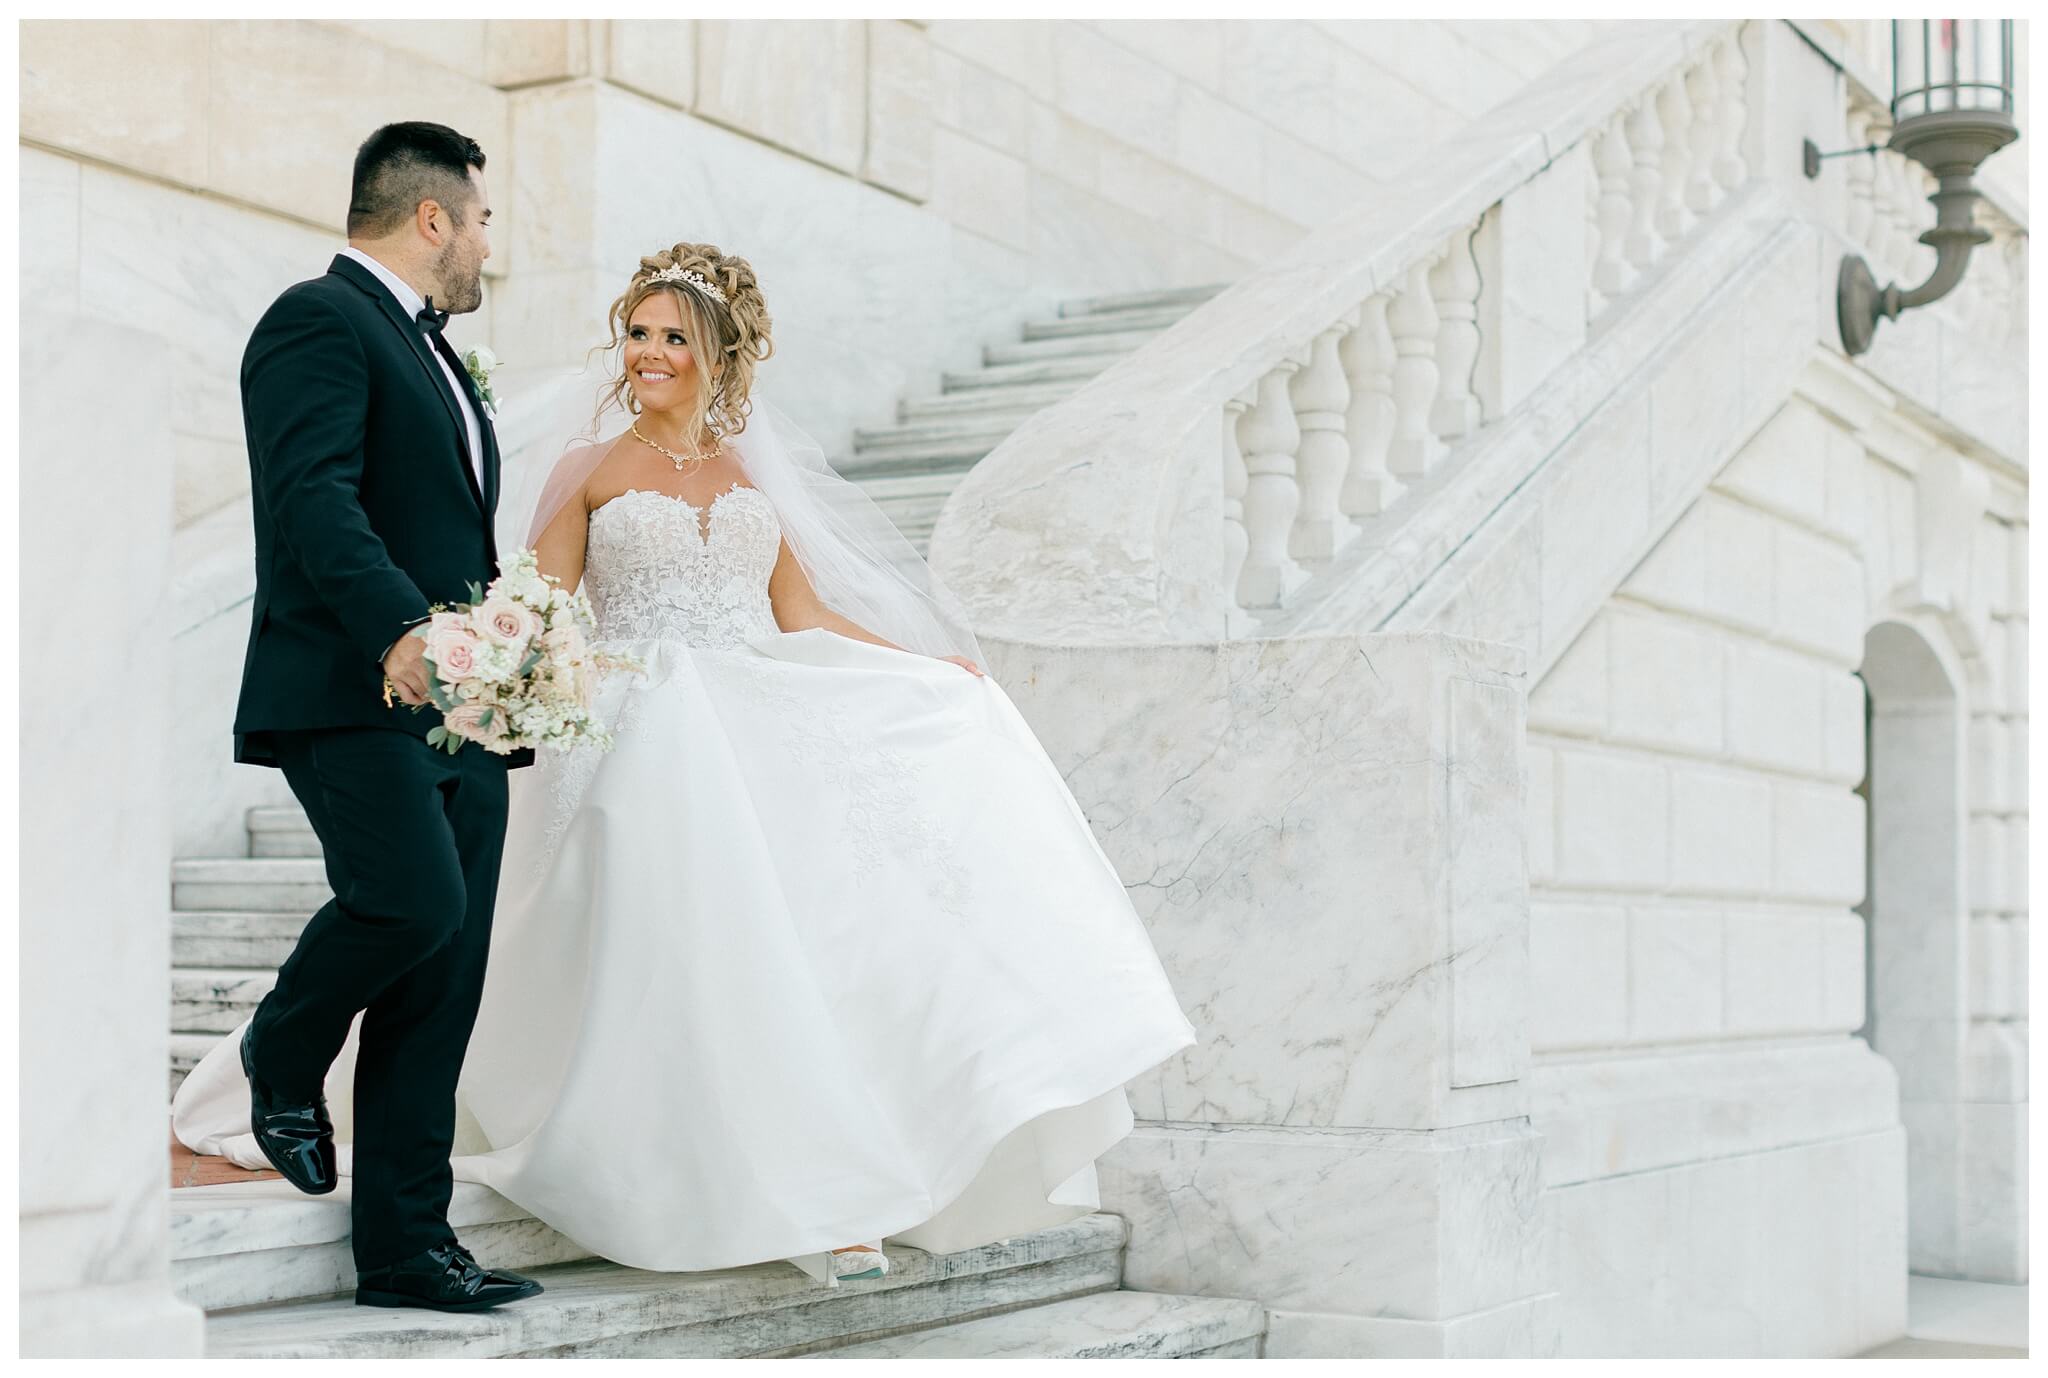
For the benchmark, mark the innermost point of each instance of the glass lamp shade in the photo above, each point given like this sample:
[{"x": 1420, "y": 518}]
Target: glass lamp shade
[{"x": 1942, "y": 65}]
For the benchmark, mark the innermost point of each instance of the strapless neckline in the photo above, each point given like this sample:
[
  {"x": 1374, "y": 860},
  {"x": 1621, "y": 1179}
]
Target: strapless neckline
[{"x": 705, "y": 509}]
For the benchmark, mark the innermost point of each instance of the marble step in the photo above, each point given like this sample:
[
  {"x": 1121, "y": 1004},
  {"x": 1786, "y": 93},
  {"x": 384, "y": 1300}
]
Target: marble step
[
  {"x": 972, "y": 429},
  {"x": 1186, "y": 298},
  {"x": 267, "y": 884},
  {"x": 234, "y": 938},
  {"x": 1015, "y": 402},
  {"x": 1150, "y": 318},
  {"x": 186, "y": 1050},
  {"x": 916, "y": 457},
  {"x": 213, "y": 1000},
  {"x": 1105, "y": 348},
  {"x": 262, "y": 1243},
  {"x": 1037, "y": 371},
  {"x": 278, "y": 818},
  {"x": 281, "y": 830},
  {"x": 595, "y": 1309},
  {"x": 1105, "y": 1325}
]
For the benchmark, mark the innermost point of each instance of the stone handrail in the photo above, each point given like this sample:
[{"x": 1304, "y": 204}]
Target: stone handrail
[{"x": 1200, "y": 481}]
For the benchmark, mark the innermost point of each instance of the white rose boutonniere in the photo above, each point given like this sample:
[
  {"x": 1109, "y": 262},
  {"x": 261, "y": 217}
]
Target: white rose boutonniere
[{"x": 480, "y": 363}]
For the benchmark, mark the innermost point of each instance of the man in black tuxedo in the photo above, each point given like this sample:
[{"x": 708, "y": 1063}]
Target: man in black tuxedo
[{"x": 375, "y": 475}]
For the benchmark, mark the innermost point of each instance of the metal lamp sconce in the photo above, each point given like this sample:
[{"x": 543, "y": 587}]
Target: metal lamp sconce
[{"x": 1948, "y": 116}]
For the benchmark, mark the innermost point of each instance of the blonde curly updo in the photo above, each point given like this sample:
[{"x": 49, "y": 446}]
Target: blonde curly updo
[{"x": 728, "y": 340}]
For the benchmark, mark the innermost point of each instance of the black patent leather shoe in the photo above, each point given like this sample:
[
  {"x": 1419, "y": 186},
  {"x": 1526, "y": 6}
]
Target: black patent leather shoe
[
  {"x": 444, "y": 1278},
  {"x": 297, "y": 1137}
]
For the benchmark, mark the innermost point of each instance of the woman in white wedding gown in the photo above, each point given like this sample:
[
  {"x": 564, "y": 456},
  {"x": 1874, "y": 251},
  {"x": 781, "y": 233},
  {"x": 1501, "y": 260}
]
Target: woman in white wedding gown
[{"x": 822, "y": 952}]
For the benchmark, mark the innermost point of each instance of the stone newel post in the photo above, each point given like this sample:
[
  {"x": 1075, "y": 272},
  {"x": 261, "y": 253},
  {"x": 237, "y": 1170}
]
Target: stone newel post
[{"x": 1324, "y": 837}]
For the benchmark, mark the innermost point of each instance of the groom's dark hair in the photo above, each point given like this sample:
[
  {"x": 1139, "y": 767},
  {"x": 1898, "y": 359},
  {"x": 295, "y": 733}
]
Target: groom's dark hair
[{"x": 402, "y": 165}]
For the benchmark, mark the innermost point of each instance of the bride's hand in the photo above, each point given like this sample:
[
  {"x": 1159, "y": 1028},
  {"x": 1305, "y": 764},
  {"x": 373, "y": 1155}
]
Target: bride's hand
[{"x": 964, "y": 663}]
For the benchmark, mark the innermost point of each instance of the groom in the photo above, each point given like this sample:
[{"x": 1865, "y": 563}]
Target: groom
[{"x": 375, "y": 474}]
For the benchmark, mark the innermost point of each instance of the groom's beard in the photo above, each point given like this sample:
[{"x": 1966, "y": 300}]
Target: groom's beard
[{"x": 462, "y": 281}]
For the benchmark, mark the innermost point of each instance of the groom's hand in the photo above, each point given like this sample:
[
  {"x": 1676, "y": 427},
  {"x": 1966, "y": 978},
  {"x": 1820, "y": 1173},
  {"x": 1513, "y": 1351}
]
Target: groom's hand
[{"x": 405, "y": 665}]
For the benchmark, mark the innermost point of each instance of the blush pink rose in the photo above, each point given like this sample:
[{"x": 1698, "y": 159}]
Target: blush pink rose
[
  {"x": 466, "y": 720},
  {"x": 506, "y": 622},
  {"x": 453, "y": 651}
]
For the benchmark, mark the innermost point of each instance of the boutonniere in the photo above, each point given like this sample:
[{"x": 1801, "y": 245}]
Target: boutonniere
[{"x": 480, "y": 363}]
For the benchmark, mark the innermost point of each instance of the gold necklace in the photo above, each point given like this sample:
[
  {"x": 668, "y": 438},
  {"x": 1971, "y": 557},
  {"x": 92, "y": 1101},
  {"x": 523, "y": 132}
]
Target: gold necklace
[{"x": 678, "y": 460}]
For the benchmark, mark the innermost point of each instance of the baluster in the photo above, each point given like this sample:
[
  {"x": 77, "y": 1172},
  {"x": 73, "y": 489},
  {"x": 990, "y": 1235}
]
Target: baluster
[
  {"x": 1414, "y": 322},
  {"x": 1702, "y": 192},
  {"x": 1367, "y": 354},
  {"x": 1594, "y": 300},
  {"x": 1268, "y": 435},
  {"x": 1646, "y": 183},
  {"x": 1321, "y": 396},
  {"x": 1611, "y": 157},
  {"x": 1729, "y": 169},
  {"x": 1674, "y": 113},
  {"x": 1856, "y": 215},
  {"x": 1235, "y": 480},
  {"x": 1454, "y": 288}
]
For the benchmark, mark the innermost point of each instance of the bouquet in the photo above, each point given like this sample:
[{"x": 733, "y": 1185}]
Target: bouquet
[{"x": 511, "y": 669}]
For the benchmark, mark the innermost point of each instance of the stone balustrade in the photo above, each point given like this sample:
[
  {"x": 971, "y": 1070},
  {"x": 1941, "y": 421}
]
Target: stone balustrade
[{"x": 1282, "y": 422}]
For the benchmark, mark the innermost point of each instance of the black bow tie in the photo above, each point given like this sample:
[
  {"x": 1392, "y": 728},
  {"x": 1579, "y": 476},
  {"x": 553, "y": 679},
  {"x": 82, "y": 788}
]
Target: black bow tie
[{"x": 431, "y": 321}]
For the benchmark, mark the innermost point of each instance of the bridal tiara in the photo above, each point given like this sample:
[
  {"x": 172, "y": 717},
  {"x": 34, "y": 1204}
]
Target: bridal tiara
[{"x": 677, "y": 273}]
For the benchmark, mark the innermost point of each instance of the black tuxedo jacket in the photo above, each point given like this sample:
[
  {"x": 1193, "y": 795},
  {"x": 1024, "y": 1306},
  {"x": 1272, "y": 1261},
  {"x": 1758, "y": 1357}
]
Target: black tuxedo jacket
[{"x": 367, "y": 508}]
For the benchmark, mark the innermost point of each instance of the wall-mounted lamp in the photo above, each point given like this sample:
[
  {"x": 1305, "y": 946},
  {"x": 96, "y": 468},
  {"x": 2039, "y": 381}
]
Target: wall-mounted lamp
[{"x": 1951, "y": 109}]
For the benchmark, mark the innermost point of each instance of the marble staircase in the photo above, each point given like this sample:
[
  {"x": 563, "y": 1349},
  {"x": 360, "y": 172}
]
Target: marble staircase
[
  {"x": 272, "y": 1269},
  {"x": 910, "y": 468},
  {"x": 233, "y": 920}
]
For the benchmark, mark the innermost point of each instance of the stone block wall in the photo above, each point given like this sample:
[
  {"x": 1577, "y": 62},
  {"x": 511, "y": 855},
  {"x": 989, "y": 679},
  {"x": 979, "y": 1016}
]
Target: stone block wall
[{"x": 1699, "y": 859}]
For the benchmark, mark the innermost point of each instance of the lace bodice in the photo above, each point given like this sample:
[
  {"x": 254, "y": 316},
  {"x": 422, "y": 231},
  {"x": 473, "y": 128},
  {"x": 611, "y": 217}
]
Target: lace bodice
[{"x": 658, "y": 566}]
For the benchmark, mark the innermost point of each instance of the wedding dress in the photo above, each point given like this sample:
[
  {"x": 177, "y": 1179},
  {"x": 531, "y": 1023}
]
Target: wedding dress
[{"x": 822, "y": 951}]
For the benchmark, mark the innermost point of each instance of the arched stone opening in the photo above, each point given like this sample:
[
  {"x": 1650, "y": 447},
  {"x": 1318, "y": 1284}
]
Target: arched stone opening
[{"x": 1916, "y": 917}]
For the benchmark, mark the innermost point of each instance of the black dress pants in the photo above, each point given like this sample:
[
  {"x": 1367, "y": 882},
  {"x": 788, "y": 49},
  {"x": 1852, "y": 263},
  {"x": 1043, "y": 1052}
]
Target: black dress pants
[{"x": 412, "y": 838}]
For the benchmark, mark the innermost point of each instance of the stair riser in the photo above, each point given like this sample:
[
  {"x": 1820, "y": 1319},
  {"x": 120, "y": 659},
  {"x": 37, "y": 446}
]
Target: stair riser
[
  {"x": 1010, "y": 404},
  {"x": 863, "y": 467},
  {"x": 952, "y": 432},
  {"x": 251, "y": 896},
  {"x": 320, "y": 1270},
  {"x": 254, "y": 952},
  {"x": 856, "y": 1314},
  {"x": 1102, "y": 350},
  {"x": 284, "y": 843},
  {"x": 1051, "y": 371},
  {"x": 638, "y": 1323},
  {"x": 1246, "y": 1348},
  {"x": 215, "y": 1002},
  {"x": 593, "y": 1307},
  {"x": 1108, "y": 323},
  {"x": 1184, "y": 298},
  {"x": 211, "y": 1016}
]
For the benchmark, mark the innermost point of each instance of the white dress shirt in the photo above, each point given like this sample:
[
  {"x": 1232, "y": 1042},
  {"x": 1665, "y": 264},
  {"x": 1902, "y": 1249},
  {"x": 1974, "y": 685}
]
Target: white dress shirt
[{"x": 414, "y": 304}]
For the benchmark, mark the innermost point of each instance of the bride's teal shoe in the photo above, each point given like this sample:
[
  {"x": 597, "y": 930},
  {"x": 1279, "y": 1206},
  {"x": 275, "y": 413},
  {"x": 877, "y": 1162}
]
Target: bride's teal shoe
[{"x": 858, "y": 1262}]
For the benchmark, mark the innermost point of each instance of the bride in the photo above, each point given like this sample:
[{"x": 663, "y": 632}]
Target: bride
[{"x": 822, "y": 952}]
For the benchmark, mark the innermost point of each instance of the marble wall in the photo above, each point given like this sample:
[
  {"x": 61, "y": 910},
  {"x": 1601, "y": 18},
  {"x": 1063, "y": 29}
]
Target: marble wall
[{"x": 95, "y": 851}]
